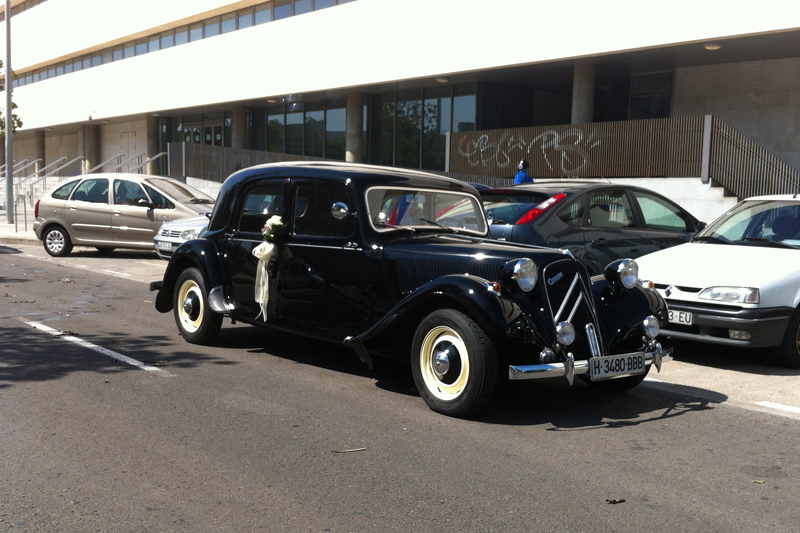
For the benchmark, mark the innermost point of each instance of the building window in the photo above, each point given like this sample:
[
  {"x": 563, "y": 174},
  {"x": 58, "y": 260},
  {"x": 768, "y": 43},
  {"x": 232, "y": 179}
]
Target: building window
[
  {"x": 264, "y": 13},
  {"x": 283, "y": 9},
  {"x": 651, "y": 96},
  {"x": 335, "y": 130},
  {"x": 275, "y": 129}
]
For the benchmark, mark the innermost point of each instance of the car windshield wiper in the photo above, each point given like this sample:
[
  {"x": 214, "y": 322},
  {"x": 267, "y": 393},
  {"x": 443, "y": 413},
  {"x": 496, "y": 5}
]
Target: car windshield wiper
[
  {"x": 709, "y": 238},
  {"x": 762, "y": 240},
  {"x": 392, "y": 226},
  {"x": 439, "y": 224}
]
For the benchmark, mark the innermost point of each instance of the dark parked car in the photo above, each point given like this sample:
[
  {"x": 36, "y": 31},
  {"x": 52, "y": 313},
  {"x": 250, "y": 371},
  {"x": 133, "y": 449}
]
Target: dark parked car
[
  {"x": 597, "y": 222},
  {"x": 400, "y": 263}
]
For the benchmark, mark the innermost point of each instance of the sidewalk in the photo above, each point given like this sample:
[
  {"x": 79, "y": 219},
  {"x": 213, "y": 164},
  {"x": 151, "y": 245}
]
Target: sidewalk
[{"x": 11, "y": 234}]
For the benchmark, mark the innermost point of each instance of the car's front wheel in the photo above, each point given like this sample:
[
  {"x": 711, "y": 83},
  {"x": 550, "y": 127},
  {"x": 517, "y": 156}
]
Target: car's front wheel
[
  {"x": 196, "y": 321},
  {"x": 789, "y": 351},
  {"x": 454, "y": 363},
  {"x": 56, "y": 241}
]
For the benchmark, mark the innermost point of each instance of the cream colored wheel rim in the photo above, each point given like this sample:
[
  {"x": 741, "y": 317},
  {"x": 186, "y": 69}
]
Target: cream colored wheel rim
[
  {"x": 190, "y": 291},
  {"x": 445, "y": 343}
]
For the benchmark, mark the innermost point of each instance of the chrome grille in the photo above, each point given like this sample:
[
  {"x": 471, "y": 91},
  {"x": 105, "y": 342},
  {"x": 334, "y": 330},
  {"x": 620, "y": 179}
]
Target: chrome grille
[{"x": 570, "y": 300}]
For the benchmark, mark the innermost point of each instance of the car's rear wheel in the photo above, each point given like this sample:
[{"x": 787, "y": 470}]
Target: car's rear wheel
[
  {"x": 789, "y": 352},
  {"x": 56, "y": 241},
  {"x": 454, "y": 363},
  {"x": 618, "y": 384},
  {"x": 196, "y": 321}
]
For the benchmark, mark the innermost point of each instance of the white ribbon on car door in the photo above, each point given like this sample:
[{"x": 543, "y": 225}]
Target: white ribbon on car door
[{"x": 263, "y": 252}]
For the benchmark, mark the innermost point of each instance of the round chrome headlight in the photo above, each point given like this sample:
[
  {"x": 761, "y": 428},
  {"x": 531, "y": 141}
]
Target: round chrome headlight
[
  {"x": 628, "y": 271},
  {"x": 651, "y": 327},
  {"x": 565, "y": 333},
  {"x": 525, "y": 274}
]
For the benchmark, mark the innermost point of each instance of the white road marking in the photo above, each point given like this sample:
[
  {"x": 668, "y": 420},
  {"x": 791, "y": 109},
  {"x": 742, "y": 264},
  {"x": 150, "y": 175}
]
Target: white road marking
[
  {"x": 96, "y": 348},
  {"x": 124, "y": 274},
  {"x": 779, "y": 407}
]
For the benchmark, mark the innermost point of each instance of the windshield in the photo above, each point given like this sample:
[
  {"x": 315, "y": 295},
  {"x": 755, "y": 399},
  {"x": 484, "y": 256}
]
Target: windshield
[
  {"x": 181, "y": 192},
  {"x": 758, "y": 222},
  {"x": 417, "y": 209}
]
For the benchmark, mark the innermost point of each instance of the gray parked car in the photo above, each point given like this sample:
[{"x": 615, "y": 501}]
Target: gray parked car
[{"x": 109, "y": 211}]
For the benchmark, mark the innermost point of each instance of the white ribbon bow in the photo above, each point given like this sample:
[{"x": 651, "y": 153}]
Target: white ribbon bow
[{"x": 264, "y": 252}]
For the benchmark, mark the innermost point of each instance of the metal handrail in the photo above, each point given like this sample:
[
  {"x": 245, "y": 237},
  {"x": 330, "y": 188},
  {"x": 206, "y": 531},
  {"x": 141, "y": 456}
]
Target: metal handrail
[
  {"x": 117, "y": 157},
  {"x": 26, "y": 166},
  {"x": 57, "y": 161},
  {"x": 126, "y": 162},
  {"x": 65, "y": 165},
  {"x": 13, "y": 168},
  {"x": 162, "y": 154}
]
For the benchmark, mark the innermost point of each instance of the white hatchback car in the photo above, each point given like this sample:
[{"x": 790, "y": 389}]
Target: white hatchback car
[
  {"x": 174, "y": 233},
  {"x": 737, "y": 283}
]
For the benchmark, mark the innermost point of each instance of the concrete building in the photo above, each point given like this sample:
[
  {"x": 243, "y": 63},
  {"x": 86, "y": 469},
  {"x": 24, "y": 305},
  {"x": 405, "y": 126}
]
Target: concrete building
[{"x": 122, "y": 85}]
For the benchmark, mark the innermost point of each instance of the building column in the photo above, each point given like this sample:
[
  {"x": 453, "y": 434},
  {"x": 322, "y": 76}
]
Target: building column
[
  {"x": 239, "y": 127},
  {"x": 152, "y": 146},
  {"x": 354, "y": 135},
  {"x": 39, "y": 151},
  {"x": 89, "y": 147},
  {"x": 583, "y": 92}
]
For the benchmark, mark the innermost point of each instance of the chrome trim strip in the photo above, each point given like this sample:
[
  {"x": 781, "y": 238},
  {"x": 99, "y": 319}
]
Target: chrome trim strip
[
  {"x": 556, "y": 370},
  {"x": 566, "y": 298},
  {"x": 594, "y": 346},
  {"x": 575, "y": 309},
  {"x": 325, "y": 247}
]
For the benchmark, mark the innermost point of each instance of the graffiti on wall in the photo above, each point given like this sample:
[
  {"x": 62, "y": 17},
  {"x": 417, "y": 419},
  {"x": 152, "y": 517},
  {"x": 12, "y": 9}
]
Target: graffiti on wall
[{"x": 563, "y": 153}]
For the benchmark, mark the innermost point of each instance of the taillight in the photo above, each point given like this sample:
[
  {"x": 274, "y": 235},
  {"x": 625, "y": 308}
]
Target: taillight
[
  {"x": 541, "y": 208},
  {"x": 36, "y": 209}
]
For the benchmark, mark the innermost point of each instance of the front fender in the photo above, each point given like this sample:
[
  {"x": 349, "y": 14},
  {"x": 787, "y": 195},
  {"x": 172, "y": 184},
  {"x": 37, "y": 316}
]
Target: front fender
[
  {"x": 197, "y": 253},
  {"x": 621, "y": 313},
  {"x": 495, "y": 313}
]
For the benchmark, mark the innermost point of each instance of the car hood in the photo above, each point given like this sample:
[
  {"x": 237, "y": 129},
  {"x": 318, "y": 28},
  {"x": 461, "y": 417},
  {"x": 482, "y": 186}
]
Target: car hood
[
  {"x": 198, "y": 221},
  {"x": 701, "y": 265}
]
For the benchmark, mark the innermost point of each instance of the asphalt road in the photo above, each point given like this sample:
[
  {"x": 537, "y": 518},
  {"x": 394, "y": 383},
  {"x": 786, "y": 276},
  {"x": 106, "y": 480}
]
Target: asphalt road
[{"x": 109, "y": 421}]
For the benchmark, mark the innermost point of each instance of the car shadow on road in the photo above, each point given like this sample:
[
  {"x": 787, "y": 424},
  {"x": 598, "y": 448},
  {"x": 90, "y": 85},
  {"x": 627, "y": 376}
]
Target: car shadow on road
[
  {"x": 115, "y": 254},
  {"x": 9, "y": 250},
  {"x": 761, "y": 361},
  {"x": 582, "y": 407}
]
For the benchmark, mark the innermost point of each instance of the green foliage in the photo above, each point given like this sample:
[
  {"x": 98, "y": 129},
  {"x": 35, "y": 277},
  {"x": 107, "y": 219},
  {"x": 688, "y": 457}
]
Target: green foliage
[{"x": 16, "y": 123}]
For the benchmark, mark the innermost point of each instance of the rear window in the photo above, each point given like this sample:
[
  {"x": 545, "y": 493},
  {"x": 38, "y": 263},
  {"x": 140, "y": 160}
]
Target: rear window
[
  {"x": 62, "y": 193},
  {"x": 509, "y": 207}
]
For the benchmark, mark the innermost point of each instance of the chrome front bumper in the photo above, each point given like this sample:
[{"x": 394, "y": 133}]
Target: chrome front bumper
[{"x": 570, "y": 368}]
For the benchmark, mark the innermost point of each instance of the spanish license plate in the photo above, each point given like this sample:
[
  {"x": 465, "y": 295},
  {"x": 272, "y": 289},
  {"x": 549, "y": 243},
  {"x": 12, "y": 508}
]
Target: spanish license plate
[
  {"x": 164, "y": 246},
  {"x": 681, "y": 317},
  {"x": 615, "y": 365}
]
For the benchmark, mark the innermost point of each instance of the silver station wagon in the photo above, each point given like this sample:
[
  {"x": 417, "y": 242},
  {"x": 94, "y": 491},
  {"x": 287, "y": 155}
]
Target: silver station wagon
[{"x": 109, "y": 211}]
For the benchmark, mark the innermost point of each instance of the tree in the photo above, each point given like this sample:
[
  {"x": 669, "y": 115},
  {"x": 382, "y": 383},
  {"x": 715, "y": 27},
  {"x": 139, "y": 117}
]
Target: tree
[{"x": 16, "y": 123}]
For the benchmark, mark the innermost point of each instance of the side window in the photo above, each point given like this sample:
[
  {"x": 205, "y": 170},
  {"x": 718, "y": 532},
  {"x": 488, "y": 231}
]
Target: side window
[
  {"x": 158, "y": 199},
  {"x": 312, "y": 215},
  {"x": 660, "y": 215},
  {"x": 610, "y": 209},
  {"x": 572, "y": 214},
  {"x": 93, "y": 190},
  {"x": 62, "y": 193},
  {"x": 260, "y": 204},
  {"x": 128, "y": 193}
]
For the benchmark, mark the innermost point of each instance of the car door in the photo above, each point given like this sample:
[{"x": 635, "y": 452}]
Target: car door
[
  {"x": 610, "y": 229},
  {"x": 132, "y": 215},
  {"x": 666, "y": 223},
  {"x": 257, "y": 204},
  {"x": 322, "y": 281},
  {"x": 88, "y": 213}
]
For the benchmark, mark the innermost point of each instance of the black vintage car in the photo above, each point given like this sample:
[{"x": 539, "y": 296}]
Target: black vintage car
[{"x": 400, "y": 263}]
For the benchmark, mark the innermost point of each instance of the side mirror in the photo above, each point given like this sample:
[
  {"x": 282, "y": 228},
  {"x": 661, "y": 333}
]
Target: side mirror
[
  {"x": 144, "y": 203},
  {"x": 339, "y": 210},
  {"x": 700, "y": 226}
]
